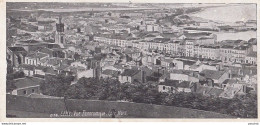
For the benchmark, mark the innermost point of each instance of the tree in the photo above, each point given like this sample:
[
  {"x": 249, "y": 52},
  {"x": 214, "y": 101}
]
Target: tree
[
  {"x": 137, "y": 97},
  {"x": 76, "y": 91},
  {"x": 91, "y": 85},
  {"x": 15, "y": 75},
  {"x": 76, "y": 56},
  {"x": 10, "y": 86},
  {"x": 103, "y": 94},
  {"x": 55, "y": 85},
  {"x": 246, "y": 106},
  {"x": 9, "y": 69}
]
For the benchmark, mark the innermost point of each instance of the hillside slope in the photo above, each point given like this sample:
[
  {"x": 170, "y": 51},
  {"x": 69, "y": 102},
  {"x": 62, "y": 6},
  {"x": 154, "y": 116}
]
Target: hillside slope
[{"x": 41, "y": 107}]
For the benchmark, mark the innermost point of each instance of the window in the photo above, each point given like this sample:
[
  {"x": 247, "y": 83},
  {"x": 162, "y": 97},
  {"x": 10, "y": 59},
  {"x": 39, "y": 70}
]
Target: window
[
  {"x": 163, "y": 87},
  {"x": 24, "y": 92}
]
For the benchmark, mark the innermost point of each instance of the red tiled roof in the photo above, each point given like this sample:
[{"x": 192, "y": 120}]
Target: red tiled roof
[
  {"x": 212, "y": 74},
  {"x": 37, "y": 55},
  {"x": 110, "y": 72},
  {"x": 173, "y": 83},
  {"x": 130, "y": 72}
]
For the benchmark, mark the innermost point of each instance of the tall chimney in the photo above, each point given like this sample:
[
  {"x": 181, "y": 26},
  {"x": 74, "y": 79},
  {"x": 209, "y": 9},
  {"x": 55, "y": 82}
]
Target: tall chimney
[{"x": 143, "y": 76}]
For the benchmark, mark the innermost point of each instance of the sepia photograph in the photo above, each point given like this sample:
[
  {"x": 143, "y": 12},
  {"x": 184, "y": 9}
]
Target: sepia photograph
[{"x": 131, "y": 60}]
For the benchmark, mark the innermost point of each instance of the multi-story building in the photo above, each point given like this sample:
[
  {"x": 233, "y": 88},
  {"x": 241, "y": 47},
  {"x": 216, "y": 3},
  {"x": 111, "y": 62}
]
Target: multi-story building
[
  {"x": 239, "y": 54},
  {"x": 208, "y": 51},
  {"x": 118, "y": 40},
  {"x": 34, "y": 58},
  {"x": 226, "y": 53},
  {"x": 144, "y": 45},
  {"x": 189, "y": 47},
  {"x": 173, "y": 47},
  {"x": 15, "y": 55},
  {"x": 159, "y": 44},
  {"x": 251, "y": 58},
  {"x": 181, "y": 49}
]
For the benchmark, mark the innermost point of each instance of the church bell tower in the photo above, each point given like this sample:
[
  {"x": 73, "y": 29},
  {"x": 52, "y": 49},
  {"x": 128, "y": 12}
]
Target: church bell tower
[{"x": 59, "y": 34}]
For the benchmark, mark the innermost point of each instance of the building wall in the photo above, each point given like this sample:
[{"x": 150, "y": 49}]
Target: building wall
[
  {"x": 75, "y": 64},
  {"x": 193, "y": 79},
  {"x": 30, "y": 61},
  {"x": 182, "y": 77},
  {"x": 26, "y": 91},
  {"x": 124, "y": 79},
  {"x": 186, "y": 67},
  {"x": 223, "y": 77},
  {"x": 178, "y": 64},
  {"x": 239, "y": 55},
  {"x": 203, "y": 67},
  {"x": 39, "y": 72},
  {"x": 184, "y": 89},
  {"x": 206, "y": 41},
  {"x": 131, "y": 79},
  {"x": 250, "y": 60},
  {"x": 164, "y": 88},
  {"x": 138, "y": 77},
  {"x": 226, "y": 54},
  {"x": 165, "y": 64},
  {"x": 28, "y": 72},
  {"x": 87, "y": 73},
  {"x": 105, "y": 76},
  {"x": 255, "y": 48},
  {"x": 14, "y": 58},
  {"x": 189, "y": 47},
  {"x": 210, "y": 53}
]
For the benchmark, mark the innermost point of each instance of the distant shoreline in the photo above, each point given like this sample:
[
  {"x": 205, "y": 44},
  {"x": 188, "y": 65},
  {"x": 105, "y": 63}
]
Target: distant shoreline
[
  {"x": 210, "y": 7},
  {"x": 82, "y": 9}
]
